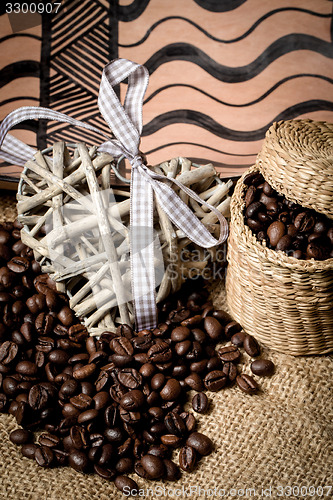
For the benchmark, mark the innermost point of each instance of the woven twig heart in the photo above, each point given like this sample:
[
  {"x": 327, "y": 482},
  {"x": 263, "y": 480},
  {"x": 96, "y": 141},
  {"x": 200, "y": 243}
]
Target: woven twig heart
[{"x": 63, "y": 199}]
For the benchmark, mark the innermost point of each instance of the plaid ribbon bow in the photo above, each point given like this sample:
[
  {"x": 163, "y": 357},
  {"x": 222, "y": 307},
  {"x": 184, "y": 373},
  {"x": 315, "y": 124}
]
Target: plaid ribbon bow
[{"x": 125, "y": 121}]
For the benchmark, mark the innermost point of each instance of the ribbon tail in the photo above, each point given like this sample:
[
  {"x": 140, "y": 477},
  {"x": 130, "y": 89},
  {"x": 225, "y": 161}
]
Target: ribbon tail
[
  {"x": 142, "y": 252},
  {"x": 181, "y": 215}
]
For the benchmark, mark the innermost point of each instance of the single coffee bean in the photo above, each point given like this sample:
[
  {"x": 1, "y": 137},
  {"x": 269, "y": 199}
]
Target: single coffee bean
[
  {"x": 124, "y": 465},
  {"x": 81, "y": 401},
  {"x": 38, "y": 397},
  {"x": 229, "y": 354},
  {"x": 18, "y": 264},
  {"x": 66, "y": 316},
  {"x": 214, "y": 328},
  {"x": 44, "y": 456},
  {"x": 129, "y": 377},
  {"x": 21, "y": 436},
  {"x": 251, "y": 346},
  {"x": 187, "y": 458},
  {"x": 171, "y": 390},
  {"x": 153, "y": 465},
  {"x": 122, "y": 345},
  {"x": 189, "y": 421},
  {"x": 180, "y": 333},
  {"x": 28, "y": 450},
  {"x": 87, "y": 416},
  {"x": 246, "y": 383},
  {"x": 175, "y": 424},
  {"x": 26, "y": 368},
  {"x": 171, "y": 440},
  {"x": 49, "y": 440},
  {"x": 79, "y": 461},
  {"x": 8, "y": 352},
  {"x": 172, "y": 472},
  {"x": 160, "y": 352},
  {"x": 84, "y": 372},
  {"x": 200, "y": 403},
  {"x": 231, "y": 328},
  {"x": 124, "y": 484},
  {"x": 200, "y": 442},
  {"x": 215, "y": 380},
  {"x": 262, "y": 367},
  {"x": 238, "y": 338},
  {"x": 230, "y": 370},
  {"x": 275, "y": 232},
  {"x": 195, "y": 382},
  {"x": 253, "y": 209},
  {"x": 132, "y": 400}
]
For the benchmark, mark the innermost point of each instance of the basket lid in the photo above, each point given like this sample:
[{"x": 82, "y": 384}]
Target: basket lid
[{"x": 296, "y": 159}]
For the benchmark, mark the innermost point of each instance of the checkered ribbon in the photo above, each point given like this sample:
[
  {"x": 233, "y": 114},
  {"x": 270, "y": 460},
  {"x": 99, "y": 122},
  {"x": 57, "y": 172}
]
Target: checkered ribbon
[{"x": 125, "y": 121}]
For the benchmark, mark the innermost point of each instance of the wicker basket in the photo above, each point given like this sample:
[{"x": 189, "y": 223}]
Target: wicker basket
[
  {"x": 284, "y": 302},
  {"x": 297, "y": 161}
]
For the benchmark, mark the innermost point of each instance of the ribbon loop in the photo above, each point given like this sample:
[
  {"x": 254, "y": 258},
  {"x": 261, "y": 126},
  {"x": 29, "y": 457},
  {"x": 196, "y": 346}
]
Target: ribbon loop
[{"x": 125, "y": 122}]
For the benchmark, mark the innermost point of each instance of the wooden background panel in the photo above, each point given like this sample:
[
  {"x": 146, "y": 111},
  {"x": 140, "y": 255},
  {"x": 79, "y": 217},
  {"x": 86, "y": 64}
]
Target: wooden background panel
[{"x": 221, "y": 71}]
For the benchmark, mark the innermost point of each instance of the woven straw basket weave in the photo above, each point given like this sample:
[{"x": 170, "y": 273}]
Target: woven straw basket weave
[
  {"x": 297, "y": 160},
  {"x": 286, "y": 303}
]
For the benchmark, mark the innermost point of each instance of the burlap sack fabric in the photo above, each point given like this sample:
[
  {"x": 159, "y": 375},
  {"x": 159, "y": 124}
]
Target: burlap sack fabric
[{"x": 278, "y": 438}]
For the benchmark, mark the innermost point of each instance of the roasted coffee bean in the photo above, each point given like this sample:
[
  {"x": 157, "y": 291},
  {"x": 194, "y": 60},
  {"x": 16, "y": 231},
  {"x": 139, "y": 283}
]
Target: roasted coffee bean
[
  {"x": 84, "y": 372},
  {"x": 129, "y": 377},
  {"x": 253, "y": 209},
  {"x": 26, "y": 368},
  {"x": 250, "y": 196},
  {"x": 179, "y": 315},
  {"x": 65, "y": 315},
  {"x": 21, "y": 436},
  {"x": 231, "y": 328},
  {"x": 132, "y": 400},
  {"x": 200, "y": 403},
  {"x": 101, "y": 400},
  {"x": 154, "y": 466},
  {"x": 214, "y": 328},
  {"x": 246, "y": 383},
  {"x": 171, "y": 390},
  {"x": 251, "y": 346},
  {"x": 180, "y": 333},
  {"x": 171, "y": 440},
  {"x": 87, "y": 416},
  {"x": 262, "y": 367},
  {"x": 229, "y": 354},
  {"x": 49, "y": 440},
  {"x": 122, "y": 345},
  {"x": 18, "y": 264},
  {"x": 28, "y": 450},
  {"x": 126, "y": 484},
  {"x": 200, "y": 442},
  {"x": 215, "y": 380},
  {"x": 194, "y": 381},
  {"x": 182, "y": 348},
  {"x": 238, "y": 338},
  {"x": 187, "y": 458},
  {"x": 175, "y": 424},
  {"x": 284, "y": 243},
  {"x": 79, "y": 461},
  {"x": 230, "y": 370},
  {"x": 38, "y": 397},
  {"x": 81, "y": 401},
  {"x": 275, "y": 232},
  {"x": 8, "y": 352},
  {"x": 304, "y": 222},
  {"x": 160, "y": 352},
  {"x": 44, "y": 456},
  {"x": 124, "y": 465},
  {"x": 189, "y": 421}
]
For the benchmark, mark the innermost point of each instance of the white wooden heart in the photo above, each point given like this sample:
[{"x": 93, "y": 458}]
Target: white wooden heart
[{"x": 64, "y": 194}]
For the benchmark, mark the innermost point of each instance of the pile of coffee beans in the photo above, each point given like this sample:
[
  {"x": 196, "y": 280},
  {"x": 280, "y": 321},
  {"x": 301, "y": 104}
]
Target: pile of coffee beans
[
  {"x": 299, "y": 232},
  {"x": 111, "y": 405}
]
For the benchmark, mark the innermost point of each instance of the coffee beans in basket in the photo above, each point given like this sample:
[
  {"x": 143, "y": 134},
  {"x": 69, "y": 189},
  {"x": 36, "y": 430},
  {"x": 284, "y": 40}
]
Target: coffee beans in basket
[
  {"x": 299, "y": 232},
  {"x": 111, "y": 405}
]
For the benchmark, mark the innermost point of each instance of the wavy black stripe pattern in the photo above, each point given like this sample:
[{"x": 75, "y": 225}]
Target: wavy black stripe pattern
[{"x": 84, "y": 36}]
